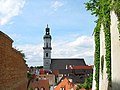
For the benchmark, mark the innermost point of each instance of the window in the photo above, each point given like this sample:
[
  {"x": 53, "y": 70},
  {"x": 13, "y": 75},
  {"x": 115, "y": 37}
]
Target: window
[
  {"x": 36, "y": 88},
  {"x": 42, "y": 88},
  {"x": 62, "y": 88},
  {"x": 46, "y": 44},
  {"x": 46, "y": 54}
]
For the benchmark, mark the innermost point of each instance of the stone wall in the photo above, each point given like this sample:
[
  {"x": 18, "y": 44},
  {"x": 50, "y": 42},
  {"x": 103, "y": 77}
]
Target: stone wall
[{"x": 13, "y": 70}]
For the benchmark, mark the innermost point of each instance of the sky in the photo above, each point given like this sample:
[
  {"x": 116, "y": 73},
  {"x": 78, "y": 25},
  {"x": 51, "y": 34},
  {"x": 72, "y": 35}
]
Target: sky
[{"x": 71, "y": 27}]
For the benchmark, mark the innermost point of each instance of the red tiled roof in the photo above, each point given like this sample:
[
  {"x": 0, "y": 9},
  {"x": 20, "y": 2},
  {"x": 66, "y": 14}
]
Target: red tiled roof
[
  {"x": 56, "y": 72},
  {"x": 82, "y": 67},
  {"x": 42, "y": 71},
  {"x": 66, "y": 84},
  {"x": 40, "y": 83}
]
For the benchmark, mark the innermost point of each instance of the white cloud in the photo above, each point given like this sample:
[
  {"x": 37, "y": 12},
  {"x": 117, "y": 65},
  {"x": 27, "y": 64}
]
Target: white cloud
[
  {"x": 33, "y": 54},
  {"x": 9, "y": 9},
  {"x": 81, "y": 47},
  {"x": 56, "y": 5},
  {"x": 82, "y": 41},
  {"x": 18, "y": 37}
]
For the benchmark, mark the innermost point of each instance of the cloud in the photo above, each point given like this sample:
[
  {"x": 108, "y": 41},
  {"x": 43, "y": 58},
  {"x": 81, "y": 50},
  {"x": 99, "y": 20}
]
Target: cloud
[
  {"x": 82, "y": 41},
  {"x": 33, "y": 53},
  {"x": 9, "y": 9},
  {"x": 81, "y": 47},
  {"x": 56, "y": 5},
  {"x": 17, "y": 37}
]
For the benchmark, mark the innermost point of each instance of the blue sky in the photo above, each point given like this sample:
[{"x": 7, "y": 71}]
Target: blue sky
[{"x": 71, "y": 27}]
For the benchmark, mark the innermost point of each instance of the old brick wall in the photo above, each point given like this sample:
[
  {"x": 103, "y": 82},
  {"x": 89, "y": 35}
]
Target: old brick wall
[{"x": 13, "y": 70}]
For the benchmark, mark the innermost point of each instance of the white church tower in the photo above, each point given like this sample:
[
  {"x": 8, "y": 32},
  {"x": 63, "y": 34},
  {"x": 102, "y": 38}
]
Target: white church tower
[{"x": 47, "y": 49}]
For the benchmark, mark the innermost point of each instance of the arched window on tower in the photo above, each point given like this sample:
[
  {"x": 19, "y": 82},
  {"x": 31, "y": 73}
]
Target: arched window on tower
[
  {"x": 46, "y": 54},
  {"x": 49, "y": 45},
  {"x": 46, "y": 44}
]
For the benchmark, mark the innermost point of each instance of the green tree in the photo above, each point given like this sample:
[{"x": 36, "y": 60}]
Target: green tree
[
  {"x": 39, "y": 67},
  {"x": 87, "y": 84},
  {"x": 29, "y": 76},
  {"x": 30, "y": 89}
]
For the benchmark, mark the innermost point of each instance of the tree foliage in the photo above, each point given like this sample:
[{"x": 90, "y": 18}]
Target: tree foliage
[{"x": 87, "y": 84}]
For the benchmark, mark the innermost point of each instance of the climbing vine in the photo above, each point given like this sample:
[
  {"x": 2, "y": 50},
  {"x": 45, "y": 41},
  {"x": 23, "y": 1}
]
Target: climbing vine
[
  {"x": 106, "y": 25},
  {"x": 101, "y": 9},
  {"x": 97, "y": 53}
]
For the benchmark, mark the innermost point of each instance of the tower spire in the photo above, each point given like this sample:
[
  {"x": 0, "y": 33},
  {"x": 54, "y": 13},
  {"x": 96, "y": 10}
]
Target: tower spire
[
  {"x": 47, "y": 30},
  {"x": 47, "y": 25}
]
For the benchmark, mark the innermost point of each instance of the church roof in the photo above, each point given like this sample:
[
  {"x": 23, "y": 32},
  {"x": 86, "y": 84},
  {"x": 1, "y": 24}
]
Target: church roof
[{"x": 62, "y": 63}]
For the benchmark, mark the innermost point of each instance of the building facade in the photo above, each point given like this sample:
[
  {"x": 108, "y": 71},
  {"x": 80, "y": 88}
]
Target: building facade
[
  {"x": 13, "y": 70},
  {"x": 42, "y": 84}
]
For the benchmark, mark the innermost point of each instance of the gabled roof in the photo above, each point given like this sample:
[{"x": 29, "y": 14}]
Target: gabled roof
[{"x": 65, "y": 83}]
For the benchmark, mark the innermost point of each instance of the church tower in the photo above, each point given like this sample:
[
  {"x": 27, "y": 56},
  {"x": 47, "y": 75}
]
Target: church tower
[{"x": 47, "y": 49}]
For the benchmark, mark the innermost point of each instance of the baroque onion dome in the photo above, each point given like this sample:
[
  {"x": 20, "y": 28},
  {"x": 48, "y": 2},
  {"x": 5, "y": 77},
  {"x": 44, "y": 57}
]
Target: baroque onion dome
[{"x": 47, "y": 34}]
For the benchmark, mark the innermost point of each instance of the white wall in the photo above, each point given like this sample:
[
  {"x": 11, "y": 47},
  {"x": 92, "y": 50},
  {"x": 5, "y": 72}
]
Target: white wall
[
  {"x": 103, "y": 81},
  {"x": 115, "y": 52},
  {"x": 94, "y": 82}
]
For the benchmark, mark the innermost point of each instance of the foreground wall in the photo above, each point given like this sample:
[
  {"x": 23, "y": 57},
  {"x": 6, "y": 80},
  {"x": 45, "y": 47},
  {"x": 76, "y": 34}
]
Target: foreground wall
[
  {"x": 115, "y": 57},
  {"x": 13, "y": 70},
  {"x": 115, "y": 52},
  {"x": 103, "y": 81}
]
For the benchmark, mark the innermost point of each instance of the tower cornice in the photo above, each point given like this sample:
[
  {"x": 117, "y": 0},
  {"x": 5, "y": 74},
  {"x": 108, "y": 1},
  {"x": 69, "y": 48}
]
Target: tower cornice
[{"x": 47, "y": 48}]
